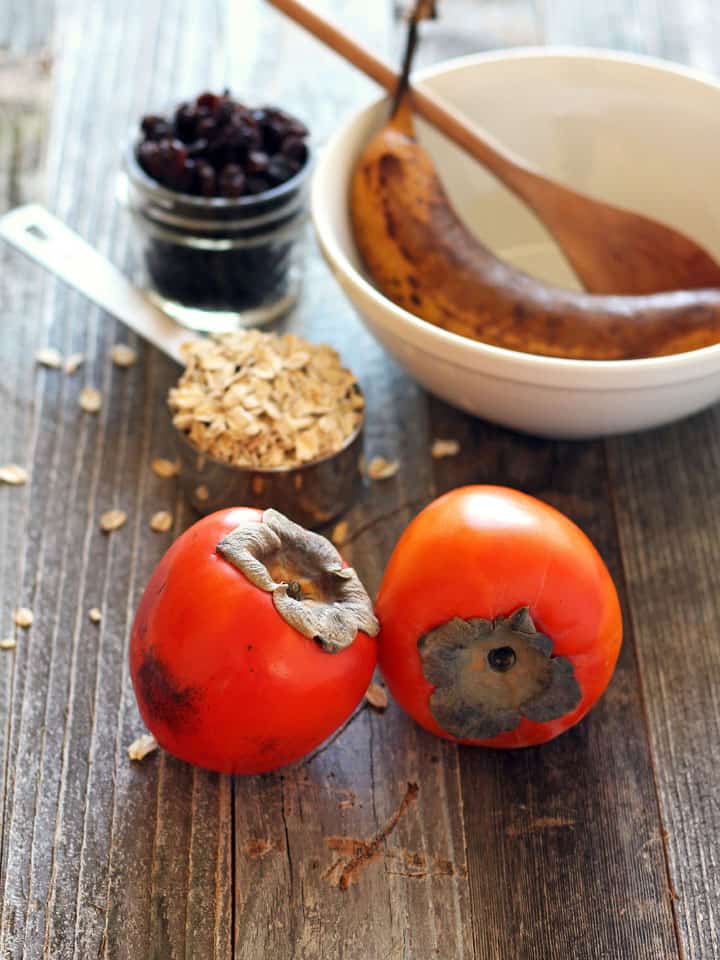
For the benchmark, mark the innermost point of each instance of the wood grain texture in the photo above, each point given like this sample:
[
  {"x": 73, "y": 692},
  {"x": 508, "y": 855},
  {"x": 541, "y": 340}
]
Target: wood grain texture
[
  {"x": 541, "y": 854},
  {"x": 298, "y": 833},
  {"x": 567, "y": 854},
  {"x": 101, "y": 857},
  {"x": 665, "y": 496},
  {"x": 670, "y": 534}
]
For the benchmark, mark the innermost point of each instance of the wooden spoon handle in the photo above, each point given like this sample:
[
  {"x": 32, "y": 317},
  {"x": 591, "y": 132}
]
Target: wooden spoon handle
[{"x": 506, "y": 166}]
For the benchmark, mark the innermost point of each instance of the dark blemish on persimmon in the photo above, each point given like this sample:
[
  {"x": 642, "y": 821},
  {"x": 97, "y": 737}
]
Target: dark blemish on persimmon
[{"x": 170, "y": 703}]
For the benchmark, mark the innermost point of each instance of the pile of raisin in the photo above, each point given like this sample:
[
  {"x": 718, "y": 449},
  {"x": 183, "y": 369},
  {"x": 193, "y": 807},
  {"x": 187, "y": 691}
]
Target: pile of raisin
[{"x": 218, "y": 147}]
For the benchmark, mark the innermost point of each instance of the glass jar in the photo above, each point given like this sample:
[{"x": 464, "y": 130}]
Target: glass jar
[{"x": 215, "y": 263}]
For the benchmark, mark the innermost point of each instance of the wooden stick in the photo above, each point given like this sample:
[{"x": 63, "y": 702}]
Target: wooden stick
[{"x": 451, "y": 122}]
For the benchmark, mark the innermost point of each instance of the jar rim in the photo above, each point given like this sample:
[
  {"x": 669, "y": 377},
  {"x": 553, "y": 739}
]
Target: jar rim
[{"x": 208, "y": 204}]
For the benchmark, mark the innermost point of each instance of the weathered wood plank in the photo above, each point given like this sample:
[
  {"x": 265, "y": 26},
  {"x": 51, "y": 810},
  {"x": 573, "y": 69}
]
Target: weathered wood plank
[
  {"x": 296, "y": 832},
  {"x": 667, "y": 502},
  {"x": 564, "y": 851},
  {"x": 24, "y": 94},
  {"x": 333, "y": 804},
  {"x": 666, "y": 499},
  {"x": 566, "y": 856},
  {"x": 554, "y": 872},
  {"x": 103, "y": 858}
]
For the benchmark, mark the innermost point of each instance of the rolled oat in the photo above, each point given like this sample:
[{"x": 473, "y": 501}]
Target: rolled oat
[
  {"x": 112, "y": 520},
  {"x": 255, "y": 399},
  {"x": 13, "y": 474},
  {"x": 23, "y": 617},
  {"x": 161, "y": 521}
]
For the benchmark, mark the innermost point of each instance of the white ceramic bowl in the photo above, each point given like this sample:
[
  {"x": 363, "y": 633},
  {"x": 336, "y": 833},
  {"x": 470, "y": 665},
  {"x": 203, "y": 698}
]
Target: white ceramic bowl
[{"x": 635, "y": 131}]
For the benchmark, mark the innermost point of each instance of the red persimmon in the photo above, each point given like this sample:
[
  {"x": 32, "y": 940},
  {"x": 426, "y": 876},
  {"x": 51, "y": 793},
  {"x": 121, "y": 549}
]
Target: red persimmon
[
  {"x": 252, "y": 643},
  {"x": 500, "y": 624}
]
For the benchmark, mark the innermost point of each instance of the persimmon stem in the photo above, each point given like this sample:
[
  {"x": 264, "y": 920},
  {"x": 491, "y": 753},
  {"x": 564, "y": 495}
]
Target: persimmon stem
[
  {"x": 311, "y": 589},
  {"x": 489, "y": 674}
]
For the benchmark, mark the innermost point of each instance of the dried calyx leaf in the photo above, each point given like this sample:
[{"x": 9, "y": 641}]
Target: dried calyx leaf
[
  {"x": 303, "y": 571},
  {"x": 488, "y": 674}
]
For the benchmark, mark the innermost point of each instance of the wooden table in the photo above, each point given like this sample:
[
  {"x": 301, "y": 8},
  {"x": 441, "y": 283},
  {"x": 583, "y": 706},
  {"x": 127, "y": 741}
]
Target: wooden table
[{"x": 603, "y": 844}]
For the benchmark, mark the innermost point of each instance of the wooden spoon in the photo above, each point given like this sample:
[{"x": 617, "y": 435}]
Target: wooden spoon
[{"x": 612, "y": 250}]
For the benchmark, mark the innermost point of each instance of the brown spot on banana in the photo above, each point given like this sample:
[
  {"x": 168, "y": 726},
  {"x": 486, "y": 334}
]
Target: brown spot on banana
[{"x": 420, "y": 254}]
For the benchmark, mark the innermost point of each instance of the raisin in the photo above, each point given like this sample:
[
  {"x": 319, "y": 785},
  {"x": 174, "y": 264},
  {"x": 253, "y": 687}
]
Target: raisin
[
  {"x": 155, "y": 128},
  {"x": 256, "y": 185},
  {"x": 205, "y": 178},
  {"x": 197, "y": 147},
  {"x": 278, "y": 171},
  {"x": 209, "y": 101},
  {"x": 186, "y": 119},
  {"x": 257, "y": 162},
  {"x": 150, "y": 159},
  {"x": 294, "y": 149},
  {"x": 231, "y": 181},
  {"x": 218, "y": 146},
  {"x": 207, "y": 128},
  {"x": 273, "y": 132}
]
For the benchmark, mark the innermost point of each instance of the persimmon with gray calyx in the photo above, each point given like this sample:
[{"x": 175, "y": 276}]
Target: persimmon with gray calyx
[
  {"x": 253, "y": 643},
  {"x": 500, "y": 624}
]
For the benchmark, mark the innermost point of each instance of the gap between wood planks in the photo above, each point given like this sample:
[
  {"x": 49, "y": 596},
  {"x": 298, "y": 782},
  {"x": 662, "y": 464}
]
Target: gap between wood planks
[{"x": 630, "y": 619}]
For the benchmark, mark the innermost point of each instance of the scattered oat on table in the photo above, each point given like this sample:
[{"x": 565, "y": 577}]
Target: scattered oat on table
[
  {"x": 165, "y": 468},
  {"x": 381, "y": 469},
  {"x": 13, "y": 474},
  {"x": 123, "y": 356},
  {"x": 339, "y": 533},
  {"x": 444, "y": 448},
  {"x": 202, "y": 493},
  {"x": 90, "y": 399},
  {"x": 161, "y": 521},
  {"x": 74, "y": 362},
  {"x": 7, "y": 644},
  {"x": 49, "y": 357},
  {"x": 377, "y": 697},
  {"x": 95, "y": 615},
  {"x": 257, "y": 399},
  {"x": 23, "y": 617},
  {"x": 112, "y": 520},
  {"x": 141, "y": 747}
]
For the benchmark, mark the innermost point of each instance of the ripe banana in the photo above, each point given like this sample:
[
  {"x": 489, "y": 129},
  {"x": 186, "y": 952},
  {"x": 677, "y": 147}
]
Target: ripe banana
[{"x": 422, "y": 257}]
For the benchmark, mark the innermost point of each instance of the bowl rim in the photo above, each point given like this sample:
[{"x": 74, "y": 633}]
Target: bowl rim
[{"x": 462, "y": 351}]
